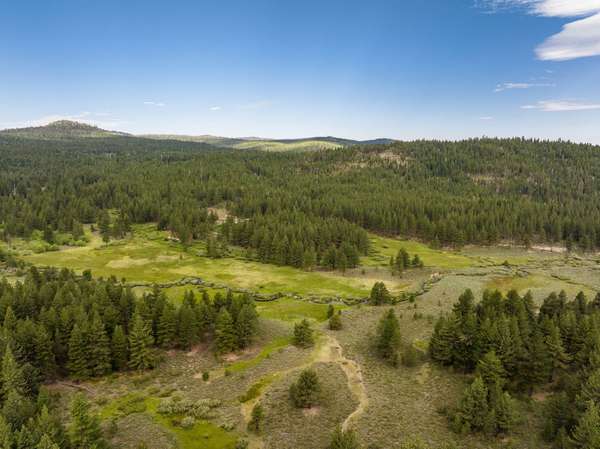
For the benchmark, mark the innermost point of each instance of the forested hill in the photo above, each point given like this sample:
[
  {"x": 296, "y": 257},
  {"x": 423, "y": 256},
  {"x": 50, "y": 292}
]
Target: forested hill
[
  {"x": 254, "y": 143},
  {"x": 450, "y": 193},
  {"x": 61, "y": 129}
]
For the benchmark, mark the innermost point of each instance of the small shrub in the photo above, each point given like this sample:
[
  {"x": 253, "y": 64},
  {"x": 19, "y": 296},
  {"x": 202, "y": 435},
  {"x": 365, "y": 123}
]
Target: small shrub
[
  {"x": 330, "y": 311},
  {"x": 188, "y": 422},
  {"x": 242, "y": 444},
  {"x": 255, "y": 424},
  {"x": 205, "y": 376},
  {"x": 410, "y": 356},
  {"x": 113, "y": 428},
  {"x": 335, "y": 322}
]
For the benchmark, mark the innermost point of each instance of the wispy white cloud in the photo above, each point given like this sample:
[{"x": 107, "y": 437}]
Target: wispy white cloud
[
  {"x": 158, "y": 104},
  {"x": 565, "y": 8},
  {"x": 548, "y": 8},
  {"x": 577, "y": 39},
  {"x": 486, "y": 118},
  {"x": 215, "y": 108},
  {"x": 561, "y": 106},
  {"x": 510, "y": 86}
]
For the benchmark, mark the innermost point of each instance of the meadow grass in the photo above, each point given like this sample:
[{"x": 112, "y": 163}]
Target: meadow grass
[
  {"x": 258, "y": 387},
  {"x": 382, "y": 248},
  {"x": 290, "y": 309},
  {"x": 148, "y": 257},
  {"x": 266, "y": 351},
  {"x": 203, "y": 435}
]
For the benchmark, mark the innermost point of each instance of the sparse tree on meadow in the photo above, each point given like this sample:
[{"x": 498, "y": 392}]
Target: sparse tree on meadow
[
  {"x": 303, "y": 334},
  {"x": 305, "y": 392}
]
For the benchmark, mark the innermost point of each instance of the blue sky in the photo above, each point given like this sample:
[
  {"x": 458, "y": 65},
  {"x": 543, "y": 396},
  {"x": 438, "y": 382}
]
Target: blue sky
[{"x": 403, "y": 69}]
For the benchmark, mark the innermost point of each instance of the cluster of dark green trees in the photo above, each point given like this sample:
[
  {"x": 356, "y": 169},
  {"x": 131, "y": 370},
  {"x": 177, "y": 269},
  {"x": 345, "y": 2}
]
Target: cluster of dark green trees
[
  {"x": 32, "y": 420},
  {"x": 58, "y": 324},
  {"x": 301, "y": 240},
  {"x": 448, "y": 193},
  {"x": 403, "y": 261},
  {"x": 513, "y": 348}
]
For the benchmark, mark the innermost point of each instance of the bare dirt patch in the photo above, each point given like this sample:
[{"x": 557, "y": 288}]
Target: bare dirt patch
[{"x": 311, "y": 412}]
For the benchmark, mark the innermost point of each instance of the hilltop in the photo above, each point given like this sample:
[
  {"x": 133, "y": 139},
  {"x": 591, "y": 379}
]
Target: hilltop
[{"x": 61, "y": 129}]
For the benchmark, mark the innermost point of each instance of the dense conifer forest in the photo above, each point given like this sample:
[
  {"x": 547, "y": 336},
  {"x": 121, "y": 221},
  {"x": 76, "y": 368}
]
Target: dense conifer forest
[{"x": 448, "y": 193}]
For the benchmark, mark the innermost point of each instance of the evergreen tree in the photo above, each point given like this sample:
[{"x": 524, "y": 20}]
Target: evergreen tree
[
  {"x": 379, "y": 294},
  {"x": 491, "y": 371},
  {"x": 305, "y": 392},
  {"x": 442, "y": 340},
  {"x": 559, "y": 413},
  {"x": 303, "y": 334},
  {"x": 48, "y": 235},
  {"x": 167, "y": 326},
  {"x": 246, "y": 324},
  {"x": 51, "y": 426},
  {"x": 187, "y": 326},
  {"x": 225, "y": 336},
  {"x": 505, "y": 413},
  {"x": 590, "y": 390},
  {"x": 104, "y": 225},
  {"x": 79, "y": 353},
  {"x": 417, "y": 262},
  {"x": 100, "y": 356},
  {"x": 587, "y": 433},
  {"x": 309, "y": 259},
  {"x": 140, "y": 344},
  {"x": 473, "y": 408},
  {"x": 45, "y": 359},
  {"x": 84, "y": 428},
  {"x": 557, "y": 356},
  {"x": 388, "y": 339},
  {"x": 119, "y": 348},
  {"x": 11, "y": 376},
  {"x": 46, "y": 443}
]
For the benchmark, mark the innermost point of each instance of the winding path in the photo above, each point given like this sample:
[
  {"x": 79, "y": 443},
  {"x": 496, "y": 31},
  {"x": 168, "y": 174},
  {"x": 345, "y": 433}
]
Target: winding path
[{"x": 328, "y": 350}]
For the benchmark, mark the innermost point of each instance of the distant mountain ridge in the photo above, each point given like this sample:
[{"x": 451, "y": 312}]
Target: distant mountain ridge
[
  {"x": 247, "y": 143},
  {"x": 67, "y": 129}
]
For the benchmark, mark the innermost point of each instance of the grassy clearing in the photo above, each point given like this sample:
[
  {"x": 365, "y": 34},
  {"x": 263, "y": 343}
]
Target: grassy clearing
[
  {"x": 266, "y": 352},
  {"x": 203, "y": 435},
  {"x": 519, "y": 283},
  {"x": 383, "y": 248},
  {"x": 306, "y": 145},
  {"x": 149, "y": 257},
  {"x": 292, "y": 310},
  {"x": 257, "y": 388}
]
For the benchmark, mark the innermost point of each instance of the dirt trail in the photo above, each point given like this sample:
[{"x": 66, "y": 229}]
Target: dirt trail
[
  {"x": 328, "y": 350},
  {"x": 331, "y": 352}
]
